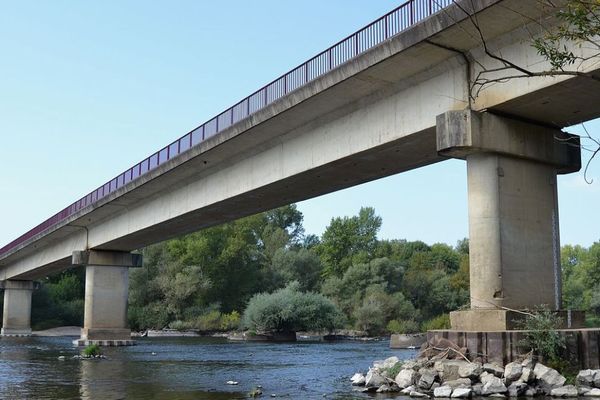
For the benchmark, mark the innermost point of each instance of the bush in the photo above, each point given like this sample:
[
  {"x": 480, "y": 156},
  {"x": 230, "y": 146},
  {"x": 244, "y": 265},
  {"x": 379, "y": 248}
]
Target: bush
[
  {"x": 92, "y": 350},
  {"x": 403, "y": 326},
  {"x": 289, "y": 310},
  {"x": 442, "y": 321},
  {"x": 230, "y": 321},
  {"x": 541, "y": 333}
]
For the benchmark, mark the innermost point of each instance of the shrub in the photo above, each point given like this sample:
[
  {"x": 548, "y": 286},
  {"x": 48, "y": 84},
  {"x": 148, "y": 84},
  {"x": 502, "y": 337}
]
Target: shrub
[
  {"x": 403, "y": 326},
  {"x": 392, "y": 372},
  {"x": 541, "y": 333},
  {"x": 209, "y": 321},
  {"x": 230, "y": 321},
  {"x": 442, "y": 321},
  {"x": 288, "y": 310},
  {"x": 92, "y": 350}
]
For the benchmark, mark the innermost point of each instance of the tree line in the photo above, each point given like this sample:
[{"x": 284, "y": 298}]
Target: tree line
[{"x": 207, "y": 280}]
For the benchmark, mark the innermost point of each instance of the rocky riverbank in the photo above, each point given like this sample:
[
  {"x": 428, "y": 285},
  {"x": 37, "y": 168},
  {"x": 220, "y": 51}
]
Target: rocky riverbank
[{"x": 454, "y": 378}]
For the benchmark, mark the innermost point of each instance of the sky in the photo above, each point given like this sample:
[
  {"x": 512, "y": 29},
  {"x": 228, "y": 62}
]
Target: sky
[{"x": 90, "y": 88}]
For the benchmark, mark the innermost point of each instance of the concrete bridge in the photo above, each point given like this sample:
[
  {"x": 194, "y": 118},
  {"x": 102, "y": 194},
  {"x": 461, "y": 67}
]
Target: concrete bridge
[{"x": 389, "y": 98}]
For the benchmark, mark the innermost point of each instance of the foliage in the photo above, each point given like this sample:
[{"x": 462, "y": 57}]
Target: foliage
[
  {"x": 579, "y": 25},
  {"x": 393, "y": 371},
  {"x": 92, "y": 350},
  {"x": 59, "y": 301},
  {"x": 541, "y": 333},
  {"x": 349, "y": 240},
  {"x": 403, "y": 326},
  {"x": 440, "y": 322},
  {"x": 289, "y": 310}
]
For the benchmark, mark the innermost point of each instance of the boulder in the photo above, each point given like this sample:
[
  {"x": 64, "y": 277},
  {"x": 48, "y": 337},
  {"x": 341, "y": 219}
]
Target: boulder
[
  {"x": 461, "y": 393},
  {"x": 407, "y": 390},
  {"x": 442, "y": 391},
  {"x": 517, "y": 389},
  {"x": 358, "y": 379},
  {"x": 583, "y": 390},
  {"x": 387, "y": 363},
  {"x": 530, "y": 392},
  {"x": 493, "y": 369},
  {"x": 593, "y": 392},
  {"x": 414, "y": 393},
  {"x": 548, "y": 378},
  {"x": 427, "y": 378},
  {"x": 586, "y": 377},
  {"x": 485, "y": 377},
  {"x": 493, "y": 385},
  {"x": 410, "y": 364},
  {"x": 405, "y": 378},
  {"x": 513, "y": 371},
  {"x": 450, "y": 369},
  {"x": 498, "y": 395},
  {"x": 528, "y": 363},
  {"x": 374, "y": 378},
  {"x": 527, "y": 375},
  {"x": 470, "y": 370},
  {"x": 564, "y": 391},
  {"x": 459, "y": 383},
  {"x": 385, "y": 388},
  {"x": 477, "y": 388},
  {"x": 597, "y": 378}
]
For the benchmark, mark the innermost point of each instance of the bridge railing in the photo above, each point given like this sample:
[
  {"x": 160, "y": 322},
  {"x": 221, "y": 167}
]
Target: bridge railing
[{"x": 391, "y": 24}]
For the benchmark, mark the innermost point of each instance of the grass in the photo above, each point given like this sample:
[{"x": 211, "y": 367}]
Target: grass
[{"x": 92, "y": 350}]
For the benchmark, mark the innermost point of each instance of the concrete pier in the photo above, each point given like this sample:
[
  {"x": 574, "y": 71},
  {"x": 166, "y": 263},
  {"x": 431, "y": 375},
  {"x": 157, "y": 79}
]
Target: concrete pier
[
  {"x": 16, "y": 319},
  {"x": 106, "y": 293},
  {"x": 513, "y": 212}
]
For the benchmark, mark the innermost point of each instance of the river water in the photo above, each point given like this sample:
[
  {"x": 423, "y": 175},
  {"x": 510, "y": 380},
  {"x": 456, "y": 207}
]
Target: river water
[{"x": 186, "y": 368}]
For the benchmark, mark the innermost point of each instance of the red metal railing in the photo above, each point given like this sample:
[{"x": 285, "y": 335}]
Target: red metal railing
[{"x": 345, "y": 50}]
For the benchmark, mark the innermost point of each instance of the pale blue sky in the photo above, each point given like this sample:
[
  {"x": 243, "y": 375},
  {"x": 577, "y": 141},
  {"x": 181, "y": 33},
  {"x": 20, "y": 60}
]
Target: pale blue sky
[{"x": 90, "y": 88}]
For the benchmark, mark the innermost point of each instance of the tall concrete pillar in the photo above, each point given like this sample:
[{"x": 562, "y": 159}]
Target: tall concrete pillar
[
  {"x": 106, "y": 294},
  {"x": 16, "y": 318},
  {"x": 514, "y": 241}
]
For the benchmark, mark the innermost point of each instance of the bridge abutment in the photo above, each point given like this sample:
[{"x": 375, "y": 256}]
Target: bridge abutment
[
  {"x": 106, "y": 294},
  {"x": 514, "y": 240},
  {"x": 16, "y": 318}
]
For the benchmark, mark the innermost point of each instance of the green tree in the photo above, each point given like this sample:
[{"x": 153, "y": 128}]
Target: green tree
[{"x": 349, "y": 240}]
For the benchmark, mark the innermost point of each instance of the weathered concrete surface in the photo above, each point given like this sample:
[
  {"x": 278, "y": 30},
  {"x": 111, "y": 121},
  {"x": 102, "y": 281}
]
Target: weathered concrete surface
[
  {"x": 16, "y": 318},
  {"x": 513, "y": 209},
  {"x": 502, "y": 347},
  {"x": 501, "y": 320},
  {"x": 106, "y": 294},
  {"x": 372, "y": 117}
]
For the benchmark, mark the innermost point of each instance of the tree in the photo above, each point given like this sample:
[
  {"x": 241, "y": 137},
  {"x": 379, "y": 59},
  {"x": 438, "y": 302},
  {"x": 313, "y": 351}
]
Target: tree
[{"x": 348, "y": 240}]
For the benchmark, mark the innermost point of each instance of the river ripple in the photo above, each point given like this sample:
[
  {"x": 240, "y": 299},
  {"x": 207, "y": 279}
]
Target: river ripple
[{"x": 185, "y": 368}]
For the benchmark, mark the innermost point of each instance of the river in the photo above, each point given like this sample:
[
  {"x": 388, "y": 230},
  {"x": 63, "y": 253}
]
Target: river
[{"x": 185, "y": 369}]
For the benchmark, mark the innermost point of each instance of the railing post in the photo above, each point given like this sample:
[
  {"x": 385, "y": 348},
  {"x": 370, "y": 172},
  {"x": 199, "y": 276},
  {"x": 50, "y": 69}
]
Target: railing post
[{"x": 386, "y": 27}]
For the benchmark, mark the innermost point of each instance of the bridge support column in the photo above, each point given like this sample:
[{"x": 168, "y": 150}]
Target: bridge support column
[
  {"x": 16, "y": 318},
  {"x": 514, "y": 241},
  {"x": 106, "y": 294}
]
